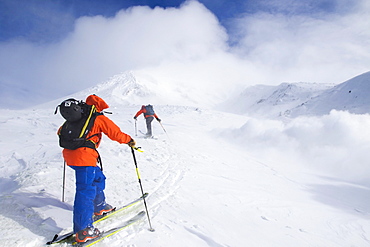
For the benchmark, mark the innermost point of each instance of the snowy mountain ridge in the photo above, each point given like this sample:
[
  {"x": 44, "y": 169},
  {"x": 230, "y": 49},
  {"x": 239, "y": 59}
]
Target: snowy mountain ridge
[
  {"x": 303, "y": 98},
  {"x": 138, "y": 87},
  {"x": 285, "y": 100},
  {"x": 273, "y": 101},
  {"x": 351, "y": 95}
]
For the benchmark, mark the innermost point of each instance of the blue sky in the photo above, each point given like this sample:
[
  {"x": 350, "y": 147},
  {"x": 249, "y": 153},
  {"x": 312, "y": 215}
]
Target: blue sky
[
  {"x": 51, "y": 48},
  {"x": 51, "y": 20}
]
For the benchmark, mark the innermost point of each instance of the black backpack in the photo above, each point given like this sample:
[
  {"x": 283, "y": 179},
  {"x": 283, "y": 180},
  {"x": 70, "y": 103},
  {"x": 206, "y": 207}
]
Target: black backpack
[{"x": 80, "y": 118}]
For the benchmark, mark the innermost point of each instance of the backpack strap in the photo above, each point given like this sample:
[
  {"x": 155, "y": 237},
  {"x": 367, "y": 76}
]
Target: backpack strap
[
  {"x": 100, "y": 161},
  {"x": 88, "y": 124},
  {"x": 88, "y": 121}
]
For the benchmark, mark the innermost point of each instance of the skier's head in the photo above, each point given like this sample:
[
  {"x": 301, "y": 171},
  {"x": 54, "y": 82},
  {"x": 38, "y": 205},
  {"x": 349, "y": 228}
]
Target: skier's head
[{"x": 70, "y": 110}]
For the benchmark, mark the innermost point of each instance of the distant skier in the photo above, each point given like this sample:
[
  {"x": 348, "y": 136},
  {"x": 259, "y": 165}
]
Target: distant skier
[
  {"x": 149, "y": 115},
  {"x": 90, "y": 180}
]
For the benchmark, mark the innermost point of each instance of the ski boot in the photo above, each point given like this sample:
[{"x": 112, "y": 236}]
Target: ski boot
[
  {"x": 108, "y": 208},
  {"x": 87, "y": 234}
]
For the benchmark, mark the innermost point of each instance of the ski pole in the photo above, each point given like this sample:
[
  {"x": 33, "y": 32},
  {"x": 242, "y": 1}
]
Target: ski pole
[
  {"x": 141, "y": 187},
  {"x": 135, "y": 127},
  {"x": 163, "y": 127},
  {"x": 164, "y": 130},
  {"x": 64, "y": 180}
]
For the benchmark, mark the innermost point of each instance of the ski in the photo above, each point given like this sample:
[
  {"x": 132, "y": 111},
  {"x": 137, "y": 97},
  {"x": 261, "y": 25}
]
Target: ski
[
  {"x": 65, "y": 237},
  {"x": 120, "y": 209},
  {"x": 146, "y": 136},
  {"x": 112, "y": 231}
]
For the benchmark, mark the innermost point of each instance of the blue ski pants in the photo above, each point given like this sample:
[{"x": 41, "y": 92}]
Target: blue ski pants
[{"x": 89, "y": 197}]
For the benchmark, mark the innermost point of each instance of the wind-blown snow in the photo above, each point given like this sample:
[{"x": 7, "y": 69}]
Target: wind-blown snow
[{"x": 214, "y": 178}]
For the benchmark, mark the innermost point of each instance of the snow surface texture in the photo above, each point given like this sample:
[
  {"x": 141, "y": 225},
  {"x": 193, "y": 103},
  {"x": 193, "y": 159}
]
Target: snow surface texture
[{"x": 292, "y": 172}]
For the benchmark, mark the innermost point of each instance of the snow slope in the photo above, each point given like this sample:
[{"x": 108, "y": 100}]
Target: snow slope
[
  {"x": 351, "y": 95},
  {"x": 215, "y": 179}
]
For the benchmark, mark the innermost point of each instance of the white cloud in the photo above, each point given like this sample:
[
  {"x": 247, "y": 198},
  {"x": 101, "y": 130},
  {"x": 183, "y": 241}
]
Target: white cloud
[
  {"x": 100, "y": 47},
  {"x": 322, "y": 48}
]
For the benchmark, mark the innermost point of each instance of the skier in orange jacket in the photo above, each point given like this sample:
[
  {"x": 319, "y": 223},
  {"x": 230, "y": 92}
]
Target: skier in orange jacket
[
  {"x": 149, "y": 115},
  {"x": 90, "y": 180}
]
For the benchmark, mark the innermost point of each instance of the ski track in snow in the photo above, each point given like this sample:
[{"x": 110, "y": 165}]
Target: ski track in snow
[{"x": 204, "y": 190}]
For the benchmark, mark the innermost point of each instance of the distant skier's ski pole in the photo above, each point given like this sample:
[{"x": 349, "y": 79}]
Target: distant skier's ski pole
[
  {"x": 164, "y": 131},
  {"x": 64, "y": 180},
  {"x": 141, "y": 187},
  {"x": 135, "y": 128}
]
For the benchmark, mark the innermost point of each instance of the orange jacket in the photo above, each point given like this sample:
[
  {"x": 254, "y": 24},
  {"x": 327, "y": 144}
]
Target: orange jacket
[
  {"x": 86, "y": 156},
  {"x": 143, "y": 110}
]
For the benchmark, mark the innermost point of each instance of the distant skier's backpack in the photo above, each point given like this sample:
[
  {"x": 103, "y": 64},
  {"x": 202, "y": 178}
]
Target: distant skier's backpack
[
  {"x": 149, "y": 110},
  {"x": 79, "y": 118}
]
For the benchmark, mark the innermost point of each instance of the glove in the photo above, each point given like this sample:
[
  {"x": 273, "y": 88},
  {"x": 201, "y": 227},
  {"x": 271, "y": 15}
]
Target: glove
[
  {"x": 131, "y": 143},
  {"x": 159, "y": 120},
  {"x": 135, "y": 118}
]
